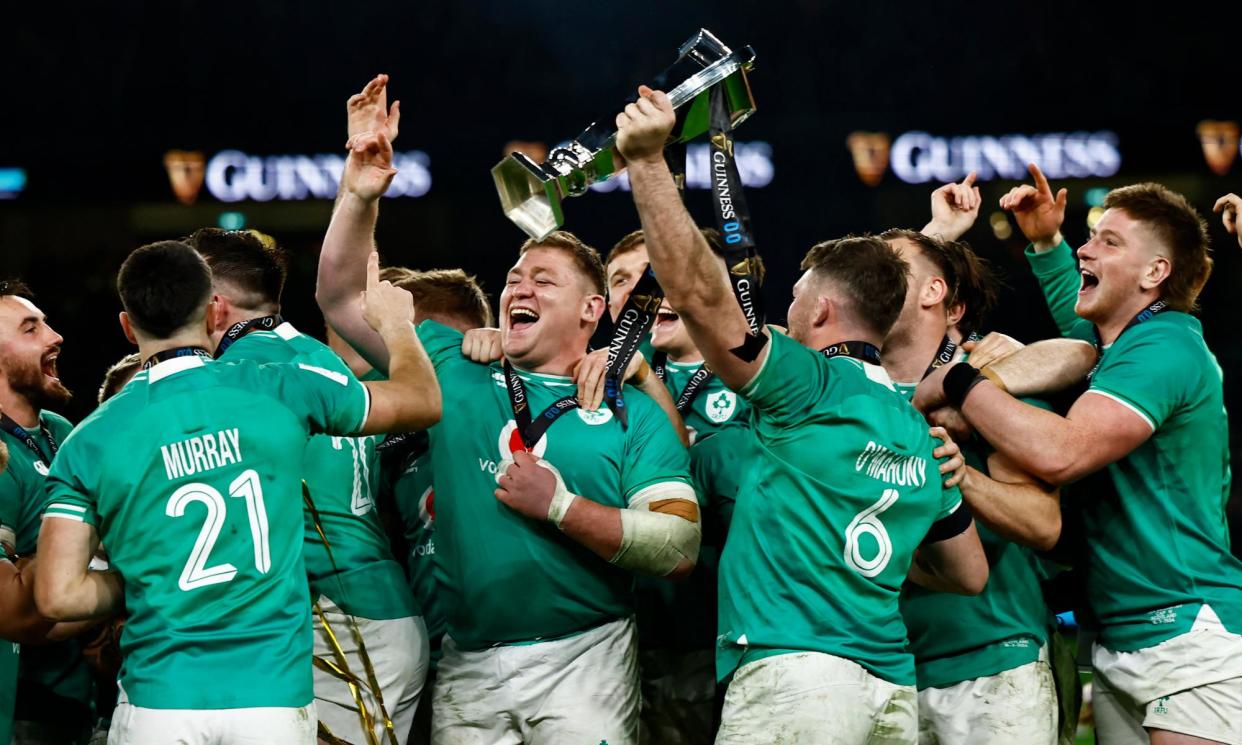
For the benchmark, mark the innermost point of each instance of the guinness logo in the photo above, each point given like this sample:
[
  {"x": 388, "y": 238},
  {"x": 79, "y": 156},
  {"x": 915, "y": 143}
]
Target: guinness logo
[
  {"x": 1219, "y": 141},
  {"x": 870, "y": 153},
  {"x": 722, "y": 142},
  {"x": 646, "y": 303},
  {"x": 748, "y": 267},
  {"x": 185, "y": 173}
]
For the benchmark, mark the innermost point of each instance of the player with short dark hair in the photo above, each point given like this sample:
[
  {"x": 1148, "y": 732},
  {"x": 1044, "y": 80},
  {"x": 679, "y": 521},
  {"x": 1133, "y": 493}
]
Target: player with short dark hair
[
  {"x": 843, "y": 494},
  {"x": 1160, "y": 578},
  {"x": 353, "y": 576},
  {"x": 201, "y": 508}
]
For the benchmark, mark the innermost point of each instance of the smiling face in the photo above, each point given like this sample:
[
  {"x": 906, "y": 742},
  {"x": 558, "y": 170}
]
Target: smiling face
[
  {"x": 548, "y": 310},
  {"x": 29, "y": 350},
  {"x": 1121, "y": 267}
]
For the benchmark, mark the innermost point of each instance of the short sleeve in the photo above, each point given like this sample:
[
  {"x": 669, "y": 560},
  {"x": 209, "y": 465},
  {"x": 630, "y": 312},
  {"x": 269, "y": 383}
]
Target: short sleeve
[
  {"x": 332, "y": 401},
  {"x": 1147, "y": 371},
  {"x": 653, "y": 453},
  {"x": 442, "y": 343},
  {"x": 66, "y": 487},
  {"x": 790, "y": 379}
]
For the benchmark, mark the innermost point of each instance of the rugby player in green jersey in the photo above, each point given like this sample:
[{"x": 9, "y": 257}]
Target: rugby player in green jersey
[
  {"x": 982, "y": 661},
  {"x": 1161, "y": 580},
  {"x": 54, "y": 693},
  {"x": 20, "y": 621},
  {"x": 540, "y": 643},
  {"x": 217, "y": 641},
  {"x": 354, "y": 574},
  {"x": 843, "y": 494}
]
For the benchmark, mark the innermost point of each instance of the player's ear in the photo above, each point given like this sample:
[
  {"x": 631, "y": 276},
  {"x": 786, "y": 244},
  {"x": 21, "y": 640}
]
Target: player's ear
[
  {"x": 593, "y": 308},
  {"x": 934, "y": 291},
  {"x": 825, "y": 311},
  {"x": 217, "y": 312},
  {"x": 1157, "y": 271},
  {"x": 127, "y": 327}
]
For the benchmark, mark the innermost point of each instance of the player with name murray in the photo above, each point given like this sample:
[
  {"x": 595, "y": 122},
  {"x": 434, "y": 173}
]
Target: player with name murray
[
  {"x": 810, "y": 638},
  {"x": 353, "y": 576},
  {"x": 1160, "y": 579},
  {"x": 200, "y": 506}
]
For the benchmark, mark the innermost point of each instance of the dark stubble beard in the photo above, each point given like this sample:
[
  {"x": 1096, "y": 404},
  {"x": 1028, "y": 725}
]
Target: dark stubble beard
[{"x": 28, "y": 381}]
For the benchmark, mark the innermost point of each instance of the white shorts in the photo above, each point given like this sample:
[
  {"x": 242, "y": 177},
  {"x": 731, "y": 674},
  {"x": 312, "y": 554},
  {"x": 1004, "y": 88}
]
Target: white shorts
[
  {"x": 1013, "y": 706},
  {"x": 399, "y": 656},
  {"x": 134, "y": 725},
  {"x": 812, "y": 698},
  {"x": 580, "y": 689},
  {"x": 1190, "y": 684}
]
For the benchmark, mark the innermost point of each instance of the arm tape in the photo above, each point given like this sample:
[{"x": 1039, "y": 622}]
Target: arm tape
[{"x": 656, "y": 542}]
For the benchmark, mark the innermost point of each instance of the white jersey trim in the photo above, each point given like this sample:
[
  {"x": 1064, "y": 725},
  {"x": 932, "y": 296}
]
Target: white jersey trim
[
  {"x": 171, "y": 367},
  {"x": 662, "y": 490},
  {"x": 366, "y": 407},
  {"x": 63, "y": 516},
  {"x": 1125, "y": 403},
  {"x": 286, "y": 331}
]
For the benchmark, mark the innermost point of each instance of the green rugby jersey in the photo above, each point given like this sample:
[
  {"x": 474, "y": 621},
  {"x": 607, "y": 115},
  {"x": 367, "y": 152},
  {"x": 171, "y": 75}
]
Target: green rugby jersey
[
  {"x": 1158, "y": 546},
  {"x": 343, "y": 476},
  {"x": 509, "y": 578},
  {"x": 415, "y": 500},
  {"x": 843, "y": 491},
  {"x": 714, "y": 407},
  {"x": 187, "y": 476},
  {"x": 57, "y": 669},
  {"x": 961, "y": 637},
  {"x": 8, "y": 678}
]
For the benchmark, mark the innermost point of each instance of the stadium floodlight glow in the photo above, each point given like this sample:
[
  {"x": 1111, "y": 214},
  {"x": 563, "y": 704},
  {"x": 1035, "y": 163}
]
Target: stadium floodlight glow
[
  {"x": 12, "y": 182},
  {"x": 531, "y": 193}
]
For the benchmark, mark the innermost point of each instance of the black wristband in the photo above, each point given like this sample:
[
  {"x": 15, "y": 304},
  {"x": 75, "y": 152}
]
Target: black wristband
[{"x": 959, "y": 381}]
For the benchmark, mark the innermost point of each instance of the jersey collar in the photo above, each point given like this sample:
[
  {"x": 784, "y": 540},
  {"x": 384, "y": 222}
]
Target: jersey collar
[{"x": 172, "y": 367}]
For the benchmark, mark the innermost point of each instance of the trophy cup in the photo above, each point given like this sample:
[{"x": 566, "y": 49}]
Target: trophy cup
[{"x": 531, "y": 193}]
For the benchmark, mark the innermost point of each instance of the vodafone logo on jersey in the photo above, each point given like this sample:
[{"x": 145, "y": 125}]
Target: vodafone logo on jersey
[{"x": 510, "y": 442}]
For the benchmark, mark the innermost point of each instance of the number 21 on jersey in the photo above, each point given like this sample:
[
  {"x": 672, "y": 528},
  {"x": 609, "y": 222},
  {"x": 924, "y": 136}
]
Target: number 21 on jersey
[{"x": 196, "y": 573}]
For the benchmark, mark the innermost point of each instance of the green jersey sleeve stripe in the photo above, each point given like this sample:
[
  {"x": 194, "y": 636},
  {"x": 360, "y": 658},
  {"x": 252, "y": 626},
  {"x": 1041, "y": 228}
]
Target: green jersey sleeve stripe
[
  {"x": 1126, "y": 403},
  {"x": 50, "y": 512}
]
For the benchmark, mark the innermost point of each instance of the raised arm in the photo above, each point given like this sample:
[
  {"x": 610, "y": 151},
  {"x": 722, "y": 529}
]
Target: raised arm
[
  {"x": 20, "y": 620},
  {"x": 693, "y": 278},
  {"x": 954, "y": 209},
  {"x": 1039, "y": 215},
  {"x": 351, "y": 233},
  {"x": 409, "y": 399}
]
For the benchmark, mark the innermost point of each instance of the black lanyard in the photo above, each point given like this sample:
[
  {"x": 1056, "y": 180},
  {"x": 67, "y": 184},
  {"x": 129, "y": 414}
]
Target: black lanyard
[
  {"x": 169, "y": 354},
  {"x": 859, "y": 350},
  {"x": 948, "y": 348},
  {"x": 241, "y": 328},
  {"x": 23, "y": 434},
  {"x": 1146, "y": 314},
  {"x": 529, "y": 428},
  {"x": 694, "y": 386},
  {"x": 733, "y": 216},
  {"x": 635, "y": 320}
]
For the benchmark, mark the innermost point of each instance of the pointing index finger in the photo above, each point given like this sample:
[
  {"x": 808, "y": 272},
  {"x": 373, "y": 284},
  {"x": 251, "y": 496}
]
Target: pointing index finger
[{"x": 1041, "y": 183}]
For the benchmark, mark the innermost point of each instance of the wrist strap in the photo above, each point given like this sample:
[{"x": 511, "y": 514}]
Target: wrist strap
[
  {"x": 958, "y": 382},
  {"x": 992, "y": 375},
  {"x": 559, "y": 506}
]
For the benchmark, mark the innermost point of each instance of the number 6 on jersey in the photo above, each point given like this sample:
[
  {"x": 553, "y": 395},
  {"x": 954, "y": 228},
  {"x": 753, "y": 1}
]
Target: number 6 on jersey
[
  {"x": 868, "y": 522},
  {"x": 196, "y": 573}
]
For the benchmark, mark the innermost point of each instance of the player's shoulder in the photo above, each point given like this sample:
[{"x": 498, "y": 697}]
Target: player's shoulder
[
  {"x": 1170, "y": 339},
  {"x": 59, "y": 425}
]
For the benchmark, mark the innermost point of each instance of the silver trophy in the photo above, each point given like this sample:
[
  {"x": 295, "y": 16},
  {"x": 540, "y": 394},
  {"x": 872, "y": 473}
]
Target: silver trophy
[{"x": 531, "y": 193}]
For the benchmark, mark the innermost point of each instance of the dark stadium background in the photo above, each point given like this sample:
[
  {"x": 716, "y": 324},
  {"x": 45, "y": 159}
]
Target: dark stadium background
[{"x": 94, "y": 95}]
